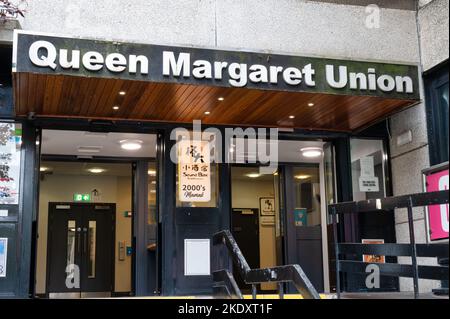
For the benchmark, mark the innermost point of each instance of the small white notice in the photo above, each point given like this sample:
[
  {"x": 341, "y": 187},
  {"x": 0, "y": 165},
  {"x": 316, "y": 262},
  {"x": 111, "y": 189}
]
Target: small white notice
[
  {"x": 369, "y": 184},
  {"x": 367, "y": 166},
  {"x": 3, "y": 213},
  {"x": 197, "y": 257},
  {"x": 3, "y": 256}
]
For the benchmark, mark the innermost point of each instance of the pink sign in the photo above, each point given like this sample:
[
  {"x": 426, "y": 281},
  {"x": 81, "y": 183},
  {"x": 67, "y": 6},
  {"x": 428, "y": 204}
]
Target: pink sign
[{"x": 438, "y": 214}]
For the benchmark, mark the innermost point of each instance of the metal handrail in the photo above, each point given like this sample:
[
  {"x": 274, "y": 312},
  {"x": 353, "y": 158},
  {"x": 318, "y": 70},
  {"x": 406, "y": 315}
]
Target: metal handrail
[
  {"x": 412, "y": 249},
  {"x": 282, "y": 274}
]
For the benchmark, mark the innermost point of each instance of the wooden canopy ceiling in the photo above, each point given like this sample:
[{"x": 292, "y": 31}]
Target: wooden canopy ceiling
[{"x": 68, "y": 96}]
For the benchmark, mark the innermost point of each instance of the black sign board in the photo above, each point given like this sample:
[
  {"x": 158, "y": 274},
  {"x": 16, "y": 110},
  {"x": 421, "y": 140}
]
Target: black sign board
[{"x": 36, "y": 53}]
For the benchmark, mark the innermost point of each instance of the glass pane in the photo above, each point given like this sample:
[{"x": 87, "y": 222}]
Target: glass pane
[
  {"x": 328, "y": 160},
  {"x": 152, "y": 174},
  {"x": 71, "y": 237},
  {"x": 442, "y": 93},
  {"x": 368, "y": 179},
  {"x": 307, "y": 196},
  {"x": 92, "y": 247}
]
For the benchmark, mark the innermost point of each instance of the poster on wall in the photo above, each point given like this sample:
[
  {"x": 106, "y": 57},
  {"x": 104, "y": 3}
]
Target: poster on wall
[
  {"x": 368, "y": 182},
  {"x": 194, "y": 171},
  {"x": 10, "y": 141},
  {"x": 373, "y": 258},
  {"x": 267, "y": 206},
  {"x": 3, "y": 256},
  {"x": 437, "y": 215},
  {"x": 301, "y": 217}
]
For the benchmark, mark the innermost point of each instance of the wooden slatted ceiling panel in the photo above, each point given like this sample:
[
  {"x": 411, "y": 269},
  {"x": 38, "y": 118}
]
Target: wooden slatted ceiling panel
[{"x": 49, "y": 95}]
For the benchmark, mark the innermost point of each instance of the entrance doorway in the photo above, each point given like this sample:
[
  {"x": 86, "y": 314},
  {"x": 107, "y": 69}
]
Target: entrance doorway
[
  {"x": 80, "y": 249},
  {"x": 255, "y": 217},
  {"x": 97, "y": 228},
  {"x": 281, "y": 218}
]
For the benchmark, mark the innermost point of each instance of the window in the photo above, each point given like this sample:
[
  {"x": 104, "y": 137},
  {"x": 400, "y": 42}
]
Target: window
[
  {"x": 6, "y": 98},
  {"x": 368, "y": 169},
  {"x": 436, "y": 91}
]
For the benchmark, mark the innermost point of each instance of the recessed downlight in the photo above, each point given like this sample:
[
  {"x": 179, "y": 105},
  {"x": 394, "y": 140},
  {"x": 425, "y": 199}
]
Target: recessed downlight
[
  {"x": 131, "y": 145},
  {"x": 312, "y": 152},
  {"x": 116, "y": 108},
  {"x": 207, "y": 113},
  {"x": 311, "y": 104},
  {"x": 44, "y": 169},
  {"x": 122, "y": 93},
  {"x": 96, "y": 170},
  {"x": 253, "y": 175},
  {"x": 292, "y": 117},
  {"x": 302, "y": 177},
  {"x": 221, "y": 99}
]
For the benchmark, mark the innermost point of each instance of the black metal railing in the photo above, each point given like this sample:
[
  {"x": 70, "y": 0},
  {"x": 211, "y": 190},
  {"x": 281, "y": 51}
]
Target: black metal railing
[
  {"x": 413, "y": 250},
  {"x": 226, "y": 283}
]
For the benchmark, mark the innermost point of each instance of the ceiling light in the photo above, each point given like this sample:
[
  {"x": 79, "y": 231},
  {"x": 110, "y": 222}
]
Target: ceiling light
[
  {"x": 310, "y": 104},
  {"x": 122, "y": 92},
  {"x": 253, "y": 175},
  {"x": 207, "y": 112},
  {"x": 302, "y": 177},
  {"x": 221, "y": 99},
  {"x": 44, "y": 169},
  {"x": 311, "y": 152},
  {"x": 151, "y": 172},
  {"x": 96, "y": 170},
  {"x": 116, "y": 108},
  {"x": 292, "y": 117},
  {"x": 131, "y": 145}
]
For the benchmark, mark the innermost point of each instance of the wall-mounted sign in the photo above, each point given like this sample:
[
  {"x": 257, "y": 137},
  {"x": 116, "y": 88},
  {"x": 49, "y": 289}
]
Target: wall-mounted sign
[
  {"x": 373, "y": 258},
  {"x": 3, "y": 256},
  {"x": 301, "y": 217},
  {"x": 197, "y": 257},
  {"x": 10, "y": 142},
  {"x": 267, "y": 206},
  {"x": 37, "y": 53},
  {"x": 369, "y": 184},
  {"x": 437, "y": 179},
  {"x": 194, "y": 171},
  {"x": 86, "y": 198}
]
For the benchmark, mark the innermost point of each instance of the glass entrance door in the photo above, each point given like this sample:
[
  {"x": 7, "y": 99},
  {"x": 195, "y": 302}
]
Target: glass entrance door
[
  {"x": 80, "y": 250},
  {"x": 304, "y": 216}
]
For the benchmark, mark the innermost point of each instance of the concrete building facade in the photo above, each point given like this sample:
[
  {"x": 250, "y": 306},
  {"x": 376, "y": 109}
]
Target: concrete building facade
[{"x": 397, "y": 32}]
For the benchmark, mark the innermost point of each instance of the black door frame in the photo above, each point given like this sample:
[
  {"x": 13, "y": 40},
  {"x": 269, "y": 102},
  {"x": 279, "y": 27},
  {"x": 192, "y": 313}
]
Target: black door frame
[
  {"x": 166, "y": 183},
  {"x": 113, "y": 244}
]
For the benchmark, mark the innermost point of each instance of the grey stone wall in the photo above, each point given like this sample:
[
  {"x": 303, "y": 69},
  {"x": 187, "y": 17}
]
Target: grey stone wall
[
  {"x": 409, "y": 160},
  {"x": 285, "y": 26}
]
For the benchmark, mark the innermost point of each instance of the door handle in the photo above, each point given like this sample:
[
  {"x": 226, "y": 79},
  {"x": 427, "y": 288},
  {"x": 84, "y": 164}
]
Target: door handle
[
  {"x": 78, "y": 240},
  {"x": 85, "y": 233}
]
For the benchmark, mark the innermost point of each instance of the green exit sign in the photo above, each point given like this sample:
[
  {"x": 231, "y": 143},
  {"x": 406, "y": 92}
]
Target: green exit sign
[{"x": 81, "y": 197}]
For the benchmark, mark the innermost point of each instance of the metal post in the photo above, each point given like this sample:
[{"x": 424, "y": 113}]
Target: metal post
[
  {"x": 412, "y": 242},
  {"x": 281, "y": 290},
  {"x": 254, "y": 291},
  {"x": 336, "y": 251}
]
